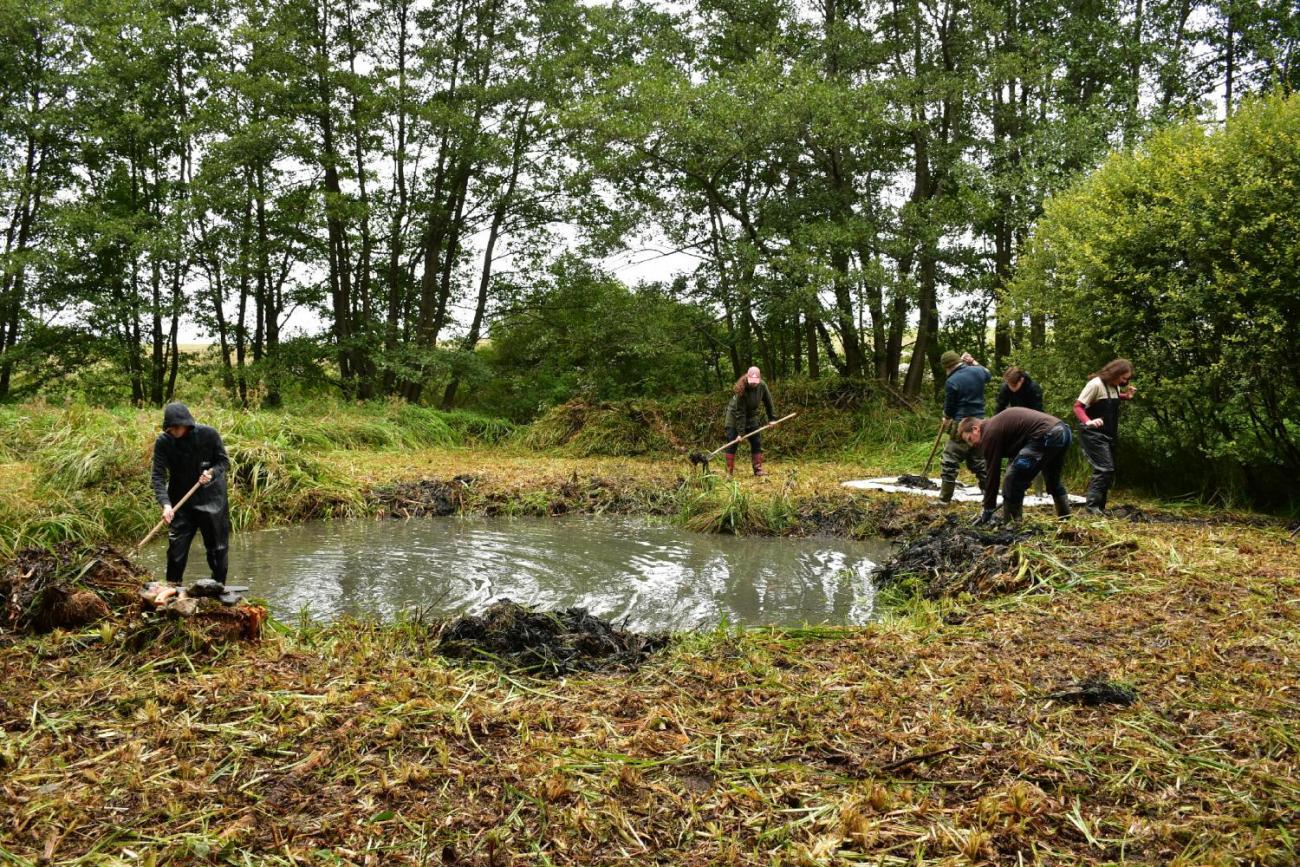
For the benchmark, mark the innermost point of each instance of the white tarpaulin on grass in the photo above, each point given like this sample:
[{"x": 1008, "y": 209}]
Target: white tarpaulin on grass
[{"x": 963, "y": 494}]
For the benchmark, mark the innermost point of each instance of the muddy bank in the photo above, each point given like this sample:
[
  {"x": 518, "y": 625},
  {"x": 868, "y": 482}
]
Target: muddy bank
[
  {"x": 546, "y": 643},
  {"x": 73, "y": 586},
  {"x": 420, "y": 497},
  {"x": 815, "y": 513}
]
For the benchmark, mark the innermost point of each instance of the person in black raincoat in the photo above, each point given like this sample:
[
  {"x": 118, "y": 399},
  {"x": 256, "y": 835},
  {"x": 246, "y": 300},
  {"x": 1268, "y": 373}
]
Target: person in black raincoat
[{"x": 183, "y": 454}]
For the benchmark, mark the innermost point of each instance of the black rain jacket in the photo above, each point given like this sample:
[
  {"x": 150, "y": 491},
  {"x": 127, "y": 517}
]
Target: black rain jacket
[{"x": 177, "y": 463}]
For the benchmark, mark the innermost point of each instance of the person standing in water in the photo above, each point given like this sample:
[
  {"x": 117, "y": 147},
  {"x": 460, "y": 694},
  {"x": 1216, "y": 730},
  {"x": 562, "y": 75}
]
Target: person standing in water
[
  {"x": 183, "y": 454},
  {"x": 750, "y": 391},
  {"x": 1097, "y": 411}
]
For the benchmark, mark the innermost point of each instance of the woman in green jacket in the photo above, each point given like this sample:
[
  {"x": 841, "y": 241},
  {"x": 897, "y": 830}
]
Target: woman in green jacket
[{"x": 743, "y": 417}]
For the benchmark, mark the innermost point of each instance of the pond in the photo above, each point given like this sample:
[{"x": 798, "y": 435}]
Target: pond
[{"x": 655, "y": 575}]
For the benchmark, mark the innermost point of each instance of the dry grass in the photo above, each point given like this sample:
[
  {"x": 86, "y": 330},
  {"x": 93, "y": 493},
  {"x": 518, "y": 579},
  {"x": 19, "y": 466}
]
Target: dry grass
[{"x": 928, "y": 738}]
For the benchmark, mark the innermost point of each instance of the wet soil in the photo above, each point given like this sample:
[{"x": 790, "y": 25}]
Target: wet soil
[
  {"x": 546, "y": 643},
  {"x": 954, "y": 557},
  {"x": 923, "y": 483},
  {"x": 1095, "y": 691},
  {"x": 424, "y": 497},
  {"x": 67, "y": 586}
]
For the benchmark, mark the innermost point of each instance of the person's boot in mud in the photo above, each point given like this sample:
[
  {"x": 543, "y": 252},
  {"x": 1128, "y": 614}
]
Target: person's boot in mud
[
  {"x": 731, "y": 465},
  {"x": 757, "y": 461},
  {"x": 1098, "y": 492},
  {"x": 1061, "y": 502},
  {"x": 946, "y": 491}
]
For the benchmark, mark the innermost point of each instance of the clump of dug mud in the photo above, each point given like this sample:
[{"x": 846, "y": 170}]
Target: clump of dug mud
[
  {"x": 424, "y": 497},
  {"x": 546, "y": 643},
  {"x": 955, "y": 557},
  {"x": 67, "y": 586},
  {"x": 73, "y": 585},
  {"x": 923, "y": 483}
]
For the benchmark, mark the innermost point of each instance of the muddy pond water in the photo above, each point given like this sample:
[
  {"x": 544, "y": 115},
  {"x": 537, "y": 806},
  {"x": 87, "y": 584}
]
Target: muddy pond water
[{"x": 655, "y": 575}]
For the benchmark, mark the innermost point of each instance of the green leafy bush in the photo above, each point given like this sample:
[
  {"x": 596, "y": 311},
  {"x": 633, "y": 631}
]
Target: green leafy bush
[{"x": 1184, "y": 256}]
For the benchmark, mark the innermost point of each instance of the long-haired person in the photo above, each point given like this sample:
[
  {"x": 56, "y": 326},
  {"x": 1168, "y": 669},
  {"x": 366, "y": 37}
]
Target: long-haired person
[
  {"x": 1097, "y": 411},
  {"x": 749, "y": 394}
]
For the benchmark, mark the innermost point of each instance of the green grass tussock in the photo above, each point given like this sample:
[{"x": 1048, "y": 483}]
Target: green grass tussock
[{"x": 90, "y": 466}]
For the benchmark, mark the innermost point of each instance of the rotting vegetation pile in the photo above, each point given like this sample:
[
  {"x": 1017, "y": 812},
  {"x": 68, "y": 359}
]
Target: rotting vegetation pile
[
  {"x": 68, "y": 586},
  {"x": 954, "y": 557},
  {"x": 546, "y": 643},
  {"x": 73, "y": 585},
  {"x": 947, "y": 736}
]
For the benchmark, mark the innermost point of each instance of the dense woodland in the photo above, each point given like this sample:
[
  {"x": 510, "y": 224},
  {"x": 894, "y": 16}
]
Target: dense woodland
[{"x": 855, "y": 182}]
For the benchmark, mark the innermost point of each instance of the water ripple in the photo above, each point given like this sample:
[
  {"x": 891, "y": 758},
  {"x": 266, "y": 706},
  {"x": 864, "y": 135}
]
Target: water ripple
[{"x": 656, "y": 576}]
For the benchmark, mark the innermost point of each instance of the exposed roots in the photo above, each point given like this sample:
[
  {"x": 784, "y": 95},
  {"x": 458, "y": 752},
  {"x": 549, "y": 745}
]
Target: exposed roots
[
  {"x": 68, "y": 586},
  {"x": 213, "y": 626}
]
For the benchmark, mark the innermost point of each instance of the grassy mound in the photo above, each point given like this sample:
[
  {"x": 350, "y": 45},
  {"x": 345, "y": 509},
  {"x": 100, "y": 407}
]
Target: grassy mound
[
  {"x": 80, "y": 473},
  {"x": 835, "y": 415}
]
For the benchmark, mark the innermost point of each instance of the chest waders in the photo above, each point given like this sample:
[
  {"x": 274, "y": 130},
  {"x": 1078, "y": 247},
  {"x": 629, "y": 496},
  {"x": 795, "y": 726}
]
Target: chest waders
[{"x": 1098, "y": 444}]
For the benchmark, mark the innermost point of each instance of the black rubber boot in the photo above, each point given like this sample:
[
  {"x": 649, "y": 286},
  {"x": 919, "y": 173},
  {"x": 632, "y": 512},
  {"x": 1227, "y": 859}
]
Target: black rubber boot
[
  {"x": 946, "y": 491},
  {"x": 1098, "y": 489},
  {"x": 1012, "y": 514},
  {"x": 1062, "y": 504}
]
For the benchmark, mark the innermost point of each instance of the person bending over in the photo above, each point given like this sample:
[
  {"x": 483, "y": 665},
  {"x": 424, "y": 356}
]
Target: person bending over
[
  {"x": 1035, "y": 442},
  {"x": 186, "y": 453}
]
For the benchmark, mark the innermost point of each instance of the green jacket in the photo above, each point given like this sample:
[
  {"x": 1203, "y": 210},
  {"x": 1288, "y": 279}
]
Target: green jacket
[{"x": 742, "y": 409}]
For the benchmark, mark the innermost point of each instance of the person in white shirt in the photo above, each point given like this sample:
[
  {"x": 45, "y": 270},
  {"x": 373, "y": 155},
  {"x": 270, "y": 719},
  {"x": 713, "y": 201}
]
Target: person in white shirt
[{"x": 1097, "y": 411}]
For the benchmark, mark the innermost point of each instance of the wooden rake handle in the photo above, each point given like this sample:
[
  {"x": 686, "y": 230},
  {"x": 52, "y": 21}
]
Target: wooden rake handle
[
  {"x": 943, "y": 426},
  {"x": 175, "y": 508},
  {"x": 751, "y": 433}
]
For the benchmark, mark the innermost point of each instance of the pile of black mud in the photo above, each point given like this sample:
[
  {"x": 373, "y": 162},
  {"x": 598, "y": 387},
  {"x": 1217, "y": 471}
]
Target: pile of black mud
[
  {"x": 954, "y": 557},
  {"x": 1095, "y": 691},
  {"x": 424, "y": 497},
  {"x": 546, "y": 643},
  {"x": 69, "y": 585},
  {"x": 923, "y": 483}
]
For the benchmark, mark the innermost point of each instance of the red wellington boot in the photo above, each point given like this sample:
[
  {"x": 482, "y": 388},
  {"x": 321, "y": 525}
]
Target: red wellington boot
[
  {"x": 758, "y": 464},
  {"x": 731, "y": 465}
]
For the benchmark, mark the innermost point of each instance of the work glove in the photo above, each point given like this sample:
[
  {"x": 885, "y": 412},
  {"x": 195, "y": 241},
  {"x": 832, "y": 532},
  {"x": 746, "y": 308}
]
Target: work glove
[{"x": 985, "y": 519}]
